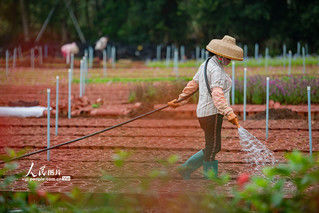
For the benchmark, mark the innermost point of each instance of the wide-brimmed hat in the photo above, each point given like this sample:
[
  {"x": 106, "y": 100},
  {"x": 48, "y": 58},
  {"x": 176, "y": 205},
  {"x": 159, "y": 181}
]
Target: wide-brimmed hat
[{"x": 226, "y": 47}]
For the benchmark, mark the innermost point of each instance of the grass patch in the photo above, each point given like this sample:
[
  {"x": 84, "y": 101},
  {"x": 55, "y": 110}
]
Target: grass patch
[
  {"x": 251, "y": 62},
  {"x": 128, "y": 80},
  {"x": 158, "y": 92}
]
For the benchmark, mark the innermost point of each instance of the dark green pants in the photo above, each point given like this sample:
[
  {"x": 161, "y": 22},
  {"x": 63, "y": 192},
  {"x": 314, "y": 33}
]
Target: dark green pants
[{"x": 212, "y": 126}]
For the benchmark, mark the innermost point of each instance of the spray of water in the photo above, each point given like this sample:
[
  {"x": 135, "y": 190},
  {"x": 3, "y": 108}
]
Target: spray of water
[{"x": 257, "y": 155}]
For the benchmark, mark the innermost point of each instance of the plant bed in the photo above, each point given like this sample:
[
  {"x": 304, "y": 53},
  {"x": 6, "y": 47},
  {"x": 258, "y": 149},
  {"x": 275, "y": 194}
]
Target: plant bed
[{"x": 276, "y": 114}]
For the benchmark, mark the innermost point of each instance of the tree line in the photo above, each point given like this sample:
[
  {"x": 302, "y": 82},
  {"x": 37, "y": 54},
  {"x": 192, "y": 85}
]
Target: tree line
[{"x": 180, "y": 22}]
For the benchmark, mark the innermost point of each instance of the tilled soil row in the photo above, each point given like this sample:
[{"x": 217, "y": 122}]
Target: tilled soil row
[
  {"x": 230, "y": 143},
  {"x": 100, "y": 122},
  {"x": 149, "y": 140},
  {"x": 291, "y": 135},
  {"x": 115, "y": 93},
  {"x": 138, "y": 155}
]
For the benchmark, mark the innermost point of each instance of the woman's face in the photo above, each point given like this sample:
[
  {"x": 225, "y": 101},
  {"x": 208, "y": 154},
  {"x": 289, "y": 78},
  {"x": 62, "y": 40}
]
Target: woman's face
[{"x": 224, "y": 61}]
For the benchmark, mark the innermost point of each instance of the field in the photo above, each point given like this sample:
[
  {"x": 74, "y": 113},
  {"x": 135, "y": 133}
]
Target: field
[{"x": 151, "y": 139}]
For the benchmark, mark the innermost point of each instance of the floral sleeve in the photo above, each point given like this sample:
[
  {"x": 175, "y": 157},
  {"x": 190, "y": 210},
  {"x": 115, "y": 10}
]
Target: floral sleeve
[
  {"x": 191, "y": 87},
  {"x": 220, "y": 101}
]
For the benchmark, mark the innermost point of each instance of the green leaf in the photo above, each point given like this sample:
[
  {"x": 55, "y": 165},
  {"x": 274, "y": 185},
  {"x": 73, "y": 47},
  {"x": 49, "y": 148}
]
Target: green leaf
[
  {"x": 276, "y": 199},
  {"x": 52, "y": 198},
  {"x": 172, "y": 159},
  {"x": 96, "y": 105},
  {"x": 75, "y": 193},
  {"x": 32, "y": 185},
  {"x": 281, "y": 170},
  {"x": 158, "y": 174},
  {"x": 11, "y": 166},
  {"x": 262, "y": 182},
  {"x": 11, "y": 153}
]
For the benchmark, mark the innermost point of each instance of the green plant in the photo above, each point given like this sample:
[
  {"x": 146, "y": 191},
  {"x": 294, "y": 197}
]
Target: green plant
[
  {"x": 132, "y": 97},
  {"x": 159, "y": 92},
  {"x": 283, "y": 89},
  {"x": 270, "y": 193},
  {"x": 96, "y": 105},
  {"x": 288, "y": 187}
]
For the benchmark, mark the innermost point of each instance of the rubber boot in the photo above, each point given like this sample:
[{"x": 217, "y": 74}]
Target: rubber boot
[
  {"x": 210, "y": 165},
  {"x": 193, "y": 163}
]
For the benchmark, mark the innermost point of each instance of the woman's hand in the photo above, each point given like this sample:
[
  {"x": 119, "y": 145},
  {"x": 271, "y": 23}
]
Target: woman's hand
[
  {"x": 173, "y": 103},
  {"x": 232, "y": 118}
]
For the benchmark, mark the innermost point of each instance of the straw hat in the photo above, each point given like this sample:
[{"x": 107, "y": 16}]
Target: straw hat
[{"x": 226, "y": 47}]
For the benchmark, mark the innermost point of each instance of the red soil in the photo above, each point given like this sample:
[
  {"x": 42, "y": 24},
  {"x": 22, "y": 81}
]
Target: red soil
[{"x": 149, "y": 140}]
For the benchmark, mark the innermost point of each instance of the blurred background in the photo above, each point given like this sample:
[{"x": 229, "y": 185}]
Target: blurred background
[{"x": 142, "y": 25}]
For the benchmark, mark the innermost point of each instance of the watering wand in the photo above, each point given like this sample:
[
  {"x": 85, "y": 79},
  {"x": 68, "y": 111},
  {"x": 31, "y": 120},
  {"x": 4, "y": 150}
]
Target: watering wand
[{"x": 98, "y": 132}]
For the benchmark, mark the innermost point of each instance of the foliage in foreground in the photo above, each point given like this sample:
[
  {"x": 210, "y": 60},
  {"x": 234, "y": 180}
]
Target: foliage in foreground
[
  {"x": 289, "y": 187},
  {"x": 285, "y": 89}
]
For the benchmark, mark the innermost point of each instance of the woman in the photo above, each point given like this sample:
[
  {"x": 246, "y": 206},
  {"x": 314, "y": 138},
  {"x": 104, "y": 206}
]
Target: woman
[{"x": 213, "y": 103}]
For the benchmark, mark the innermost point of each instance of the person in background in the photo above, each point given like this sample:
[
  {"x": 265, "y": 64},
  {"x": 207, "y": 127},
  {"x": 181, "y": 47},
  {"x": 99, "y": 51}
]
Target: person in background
[
  {"x": 213, "y": 103},
  {"x": 68, "y": 49},
  {"x": 100, "y": 45}
]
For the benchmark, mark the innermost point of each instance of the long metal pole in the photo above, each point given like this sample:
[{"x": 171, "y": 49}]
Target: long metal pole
[
  {"x": 245, "y": 52},
  {"x": 245, "y": 87},
  {"x": 309, "y": 120},
  {"x": 7, "y": 62},
  {"x": 176, "y": 62},
  {"x": 182, "y": 53},
  {"x": 289, "y": 65},
  {"x": 72, "y": 64},
  {"x": 202, "y": 55},
  {"x": 267, "y": 106},
  {"x": 256, "y": 51},
  {"x": 90, "y": 57},
  {"x": 233, "y": 83},
  {"x": 158, "y": 52},
  {"x": 298, "y": 49},
  {"x": 113, "y": 57},
  {"x": 197, "y": 53},
  {"x": 266, "y": 59},
  {"x": 104, "y": 63},
  {"x": 284, "y": 51},
  {"x": 245, "y": 55},
  {"x": 57, "y": 106},
  {"x": 85, "y": 71},
  {"x": 81, "y": 77},
  {"x": 48, "y": 125},
  {"x": 303, "y": 60},
  {"x": 69, "y": 99},
  {"x": 168, "y": 55}
]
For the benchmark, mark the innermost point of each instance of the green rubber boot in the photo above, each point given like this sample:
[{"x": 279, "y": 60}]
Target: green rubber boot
[
  {"x": 193, "y": 163},
  {"x": 210, "y": 165}
]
